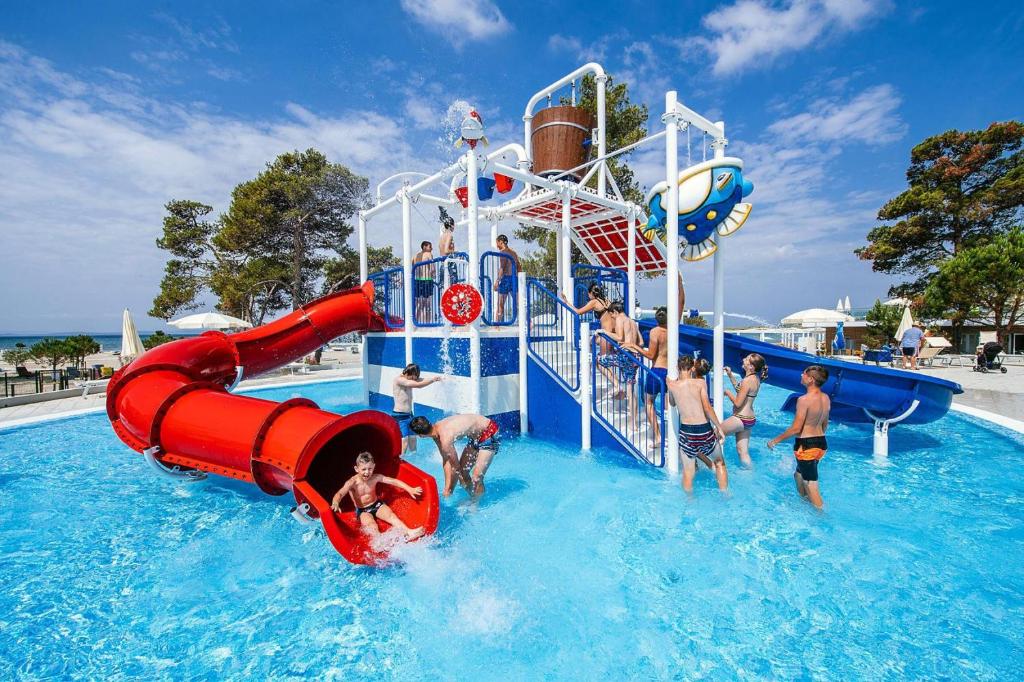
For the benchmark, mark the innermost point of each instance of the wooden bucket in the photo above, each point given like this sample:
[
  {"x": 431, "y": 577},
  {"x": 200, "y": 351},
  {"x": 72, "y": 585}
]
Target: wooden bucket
[{"x": 558, "y": 137}]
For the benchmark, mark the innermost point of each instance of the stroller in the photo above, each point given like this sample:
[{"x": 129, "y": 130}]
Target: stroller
[{"x": 989, "y": 358}]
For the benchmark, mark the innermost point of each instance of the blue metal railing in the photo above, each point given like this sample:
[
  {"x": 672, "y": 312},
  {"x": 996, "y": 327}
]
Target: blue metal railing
[
  {"x": 614, "y": 282},
  {"x": 388, "y": 296},
  {"x": 430, "y": 279},
  {"x": 629, "y": 399},
  {"x": 499, "y": 285},
  {"x": 553, "y": 334}
]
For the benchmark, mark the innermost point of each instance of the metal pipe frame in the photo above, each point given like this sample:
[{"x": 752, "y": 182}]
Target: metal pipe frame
[
  {"x": 671, "y": 438},
  {"x": 718, "y": 340}
]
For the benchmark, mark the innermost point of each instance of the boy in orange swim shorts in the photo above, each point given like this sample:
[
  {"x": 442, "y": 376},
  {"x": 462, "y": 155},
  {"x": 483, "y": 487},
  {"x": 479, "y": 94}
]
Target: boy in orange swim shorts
[{"x": 809, "y": 426}]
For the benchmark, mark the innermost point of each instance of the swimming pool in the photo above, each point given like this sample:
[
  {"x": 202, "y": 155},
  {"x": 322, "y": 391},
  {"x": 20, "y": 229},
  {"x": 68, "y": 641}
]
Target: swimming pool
[{"x": 574, "y": 566}]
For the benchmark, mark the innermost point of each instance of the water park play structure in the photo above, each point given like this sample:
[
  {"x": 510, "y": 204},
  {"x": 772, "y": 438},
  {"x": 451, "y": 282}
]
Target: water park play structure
[{"x": 511, "y": 347}]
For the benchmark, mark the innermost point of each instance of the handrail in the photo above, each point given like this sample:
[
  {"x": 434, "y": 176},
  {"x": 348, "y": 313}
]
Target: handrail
[
  {"x": 428, "y": 290},
  {"x": 622, "y": 385},
  {"x": 499, "y": 293},
  {"x": 554, "y": 343},
  {"x": 388, "y": 301}
]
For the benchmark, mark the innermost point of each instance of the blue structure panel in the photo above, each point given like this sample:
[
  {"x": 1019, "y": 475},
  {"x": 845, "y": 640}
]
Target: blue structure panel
[
  {"x": 508, "y": 422},
  {"x": 499, "y": 356},
  {"x": 554, "y": 414}
]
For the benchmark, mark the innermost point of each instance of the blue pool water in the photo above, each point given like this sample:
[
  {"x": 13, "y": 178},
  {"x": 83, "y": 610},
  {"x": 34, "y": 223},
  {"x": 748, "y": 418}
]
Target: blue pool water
[{"x": 575, "y": 566}]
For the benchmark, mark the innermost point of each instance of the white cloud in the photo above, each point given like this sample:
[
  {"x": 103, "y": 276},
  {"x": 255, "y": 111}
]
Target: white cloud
[
  {"x": 459, "y": 21},
  {"x": 86, "y": 167},
  {"x": 871, "y": 117},
  {"x": 593, "y": 51},
  {"x": 753, "y": 32}
]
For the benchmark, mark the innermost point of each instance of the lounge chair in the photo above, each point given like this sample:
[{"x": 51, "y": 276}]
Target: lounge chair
[
  {"x": 23, "y": 373},
  {"x": 933, "y": 345}
]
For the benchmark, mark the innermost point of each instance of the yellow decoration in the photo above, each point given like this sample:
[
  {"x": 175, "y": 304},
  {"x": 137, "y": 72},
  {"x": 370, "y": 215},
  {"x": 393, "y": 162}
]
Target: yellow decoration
[
  {"x": 691, "y": 227},
  {"x": 712, "y": 215}
]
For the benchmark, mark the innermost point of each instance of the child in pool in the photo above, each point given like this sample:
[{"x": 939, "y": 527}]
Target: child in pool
[
  {"x": 742, "y": 420},
  {"x": 700, "y": 432},
  {"x": 363, "y": 489},
  {"x": 470, "y": 467},
  {"x": 809, "y": 426}
]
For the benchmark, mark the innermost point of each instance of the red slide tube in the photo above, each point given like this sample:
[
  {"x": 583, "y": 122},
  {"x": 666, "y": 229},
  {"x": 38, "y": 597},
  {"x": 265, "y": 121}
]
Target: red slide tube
[{"x": 173, "y": 404}]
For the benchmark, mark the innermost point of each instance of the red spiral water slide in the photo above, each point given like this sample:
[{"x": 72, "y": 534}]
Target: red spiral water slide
[{"x": 173, "y": 404}]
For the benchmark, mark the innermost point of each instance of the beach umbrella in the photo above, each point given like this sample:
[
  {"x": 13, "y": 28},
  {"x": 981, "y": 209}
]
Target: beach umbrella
[
  {"x": 209, "y": 321},
  {"x": 906, "y": 323},
  {"x": 839, "y": 305},
  {"x": 815, "y": 317},
  {"x": 839, "y": 343},
  {"x": 131, "y": 342},
  {"x": 897, "y": 301},
  {"x": 846, "y": 305}
]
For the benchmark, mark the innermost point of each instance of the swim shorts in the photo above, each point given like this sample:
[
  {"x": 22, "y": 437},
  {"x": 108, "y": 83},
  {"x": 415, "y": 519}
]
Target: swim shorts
[
  {"x": 371, "y": 510},
  {"x": 909, "y": 352},
  {"x": 625, "y": 363},
  {"x": 697, "y": 440},
  {"x": 487, "y": 440},
  {"x": 808, "y": 452},
  {"x": 651, "y": 385},
  {"x": 453, "y": 273},
  {"x": 424, "y": 288},
  {"x": 507, "y": 284},
  {"x": 403, "y": 419}
]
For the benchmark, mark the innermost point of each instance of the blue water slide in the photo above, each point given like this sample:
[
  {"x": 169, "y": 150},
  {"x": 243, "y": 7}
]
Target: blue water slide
[{"x": 860, "y": 393}]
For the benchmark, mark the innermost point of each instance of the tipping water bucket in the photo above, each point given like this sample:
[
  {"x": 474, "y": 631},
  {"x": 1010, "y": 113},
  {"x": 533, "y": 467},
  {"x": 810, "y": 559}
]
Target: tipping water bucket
[{"x": 559, "y": 137}]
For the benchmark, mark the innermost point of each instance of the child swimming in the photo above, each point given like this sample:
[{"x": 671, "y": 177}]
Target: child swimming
[
  {"x": 363, "y": 489},
  {"x": 809, "y": 426},
  {"x": 700, "y": 432},
  {"x": 755, "y": 370}
]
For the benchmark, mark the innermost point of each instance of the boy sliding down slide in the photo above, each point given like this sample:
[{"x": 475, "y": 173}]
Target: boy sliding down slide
[
  {"x": 363, "y": 489},
  {"x": 476, "y": 456},
  {"x": 809, "y": 426}
]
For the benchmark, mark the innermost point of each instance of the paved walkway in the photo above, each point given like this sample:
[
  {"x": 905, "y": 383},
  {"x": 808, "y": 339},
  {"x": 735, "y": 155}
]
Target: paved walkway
[
  {"x": 1000, "y": 393},
  {"x": 12, "y": 416}
]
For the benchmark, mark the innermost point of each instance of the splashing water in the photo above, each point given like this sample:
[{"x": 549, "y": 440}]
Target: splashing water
[{"x": 451, "y": 128}]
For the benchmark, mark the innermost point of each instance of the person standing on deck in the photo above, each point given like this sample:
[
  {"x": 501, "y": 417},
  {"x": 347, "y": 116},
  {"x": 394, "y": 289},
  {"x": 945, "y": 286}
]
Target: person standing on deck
[
  {"x": 424, "y": 279},
  {"x": 508, "y": 271},
  {"x": 657, "y": 353},
  {"x": 447, "y": 245}
]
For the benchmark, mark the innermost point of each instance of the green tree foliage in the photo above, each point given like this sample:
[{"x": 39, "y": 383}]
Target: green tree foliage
[
  {"x": 983, "y": 283},
  {"x": 157, "y": 338},
  {"x": 625, "y": 123},
  {"x": 78, "y": 347},
  {"x": 343, "y": 272},
  {"x": 697, "y": 321},
  {"x": 292, "y": 213},
  {"x": 965, "y": 188},
  {"x": 49, "y": 351},
  {"x": 17, "y": 356},
  {"x": 883, "y": 321},
  {"x": 270, "y": 249}
]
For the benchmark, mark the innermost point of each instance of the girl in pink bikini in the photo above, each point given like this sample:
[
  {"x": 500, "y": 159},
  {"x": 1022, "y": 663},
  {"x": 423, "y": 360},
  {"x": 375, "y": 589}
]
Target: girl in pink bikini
[{"x": 755, "y": 371}]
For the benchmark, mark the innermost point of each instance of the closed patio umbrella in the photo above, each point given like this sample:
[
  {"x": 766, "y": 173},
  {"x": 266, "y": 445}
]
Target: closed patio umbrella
[
  {"x": 209, "y": 321},
  {"x": 839, "y": 343},
  {"x": 906, "y": 323},
  {"x": 131, "y": 342}
]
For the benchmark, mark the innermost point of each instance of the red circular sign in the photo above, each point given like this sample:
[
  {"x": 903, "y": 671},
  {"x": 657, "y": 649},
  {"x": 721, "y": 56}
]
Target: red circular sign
[{"x": 461, "y": 304}]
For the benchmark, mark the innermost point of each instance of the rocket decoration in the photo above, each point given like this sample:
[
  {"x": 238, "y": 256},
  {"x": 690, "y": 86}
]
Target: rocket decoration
[
  {"x": 709, "y": 202},
  {"x": 472, "y": 131}
]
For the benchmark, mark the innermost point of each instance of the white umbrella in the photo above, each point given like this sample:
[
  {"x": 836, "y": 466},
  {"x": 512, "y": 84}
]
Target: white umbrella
[
  {"x": 846, "y": 305},
  {"x": 131, "y": 342},
  {"x": 815, "y": 317},
  {"x": 839, "y": 305},
  {"x": 897, "y": 301},
  {"x": 209, "y": 321},
  {"x": 906, "y": 322}
]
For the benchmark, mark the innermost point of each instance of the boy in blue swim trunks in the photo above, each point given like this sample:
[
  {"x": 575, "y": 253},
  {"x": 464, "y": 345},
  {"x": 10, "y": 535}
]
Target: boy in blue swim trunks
[
  {"x": 508, "y": 270},
  {"x": 700, "y": 432},
  {"x": 476, "y": 457},
  {"x": 402, "y": 390},
  {"x": 657, "y": 353}
]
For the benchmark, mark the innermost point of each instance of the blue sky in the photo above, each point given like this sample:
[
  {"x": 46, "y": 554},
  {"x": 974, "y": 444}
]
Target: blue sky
[{"x": 109, "y": 110}]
